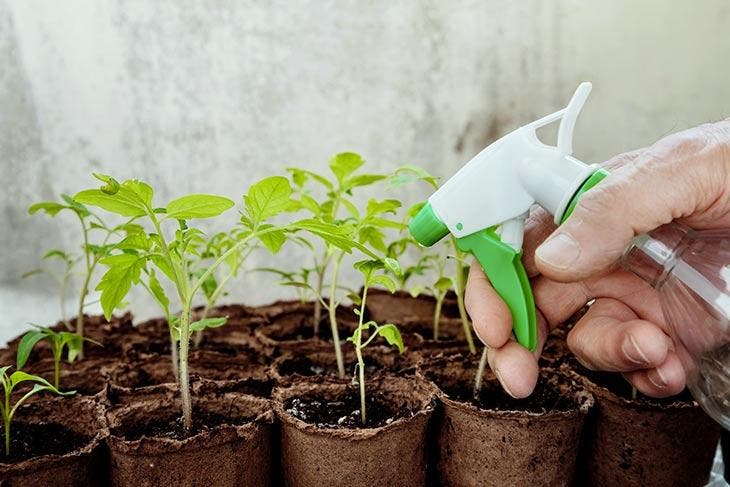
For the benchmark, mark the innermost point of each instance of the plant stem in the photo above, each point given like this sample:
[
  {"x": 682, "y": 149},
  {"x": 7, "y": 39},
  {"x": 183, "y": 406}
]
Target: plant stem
[
  {"x": 437, "y": 315},
  {"x": 175, "y": 358},
  {"x": 184, "y": 374},
  {"x": 56, "y": 371},
  {"x": 480, "y": 373},
  {"x": 460, "y": 286},
  {"x": 317, "y": 302},
  {"x": 7, "y": 436},
  {"x": 358, "y": 354},
  {"x": 332, "y": 308},
  {"x": 7, "y": 415}
]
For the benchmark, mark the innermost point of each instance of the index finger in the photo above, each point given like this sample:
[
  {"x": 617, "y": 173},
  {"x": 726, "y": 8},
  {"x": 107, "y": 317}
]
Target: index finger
[{"x": 490, "y": 316}]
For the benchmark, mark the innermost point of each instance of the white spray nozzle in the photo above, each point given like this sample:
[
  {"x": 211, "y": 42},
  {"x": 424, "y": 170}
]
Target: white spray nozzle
[{"x": 504, "y": 180}]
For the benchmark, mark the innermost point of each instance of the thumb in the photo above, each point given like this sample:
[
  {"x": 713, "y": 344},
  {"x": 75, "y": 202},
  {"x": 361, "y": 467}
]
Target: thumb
[{"x": 678, "y": 176}]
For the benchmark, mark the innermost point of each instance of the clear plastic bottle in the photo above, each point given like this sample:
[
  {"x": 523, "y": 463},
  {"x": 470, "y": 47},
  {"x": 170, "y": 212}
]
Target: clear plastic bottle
[{"x": 690, "y": 271}]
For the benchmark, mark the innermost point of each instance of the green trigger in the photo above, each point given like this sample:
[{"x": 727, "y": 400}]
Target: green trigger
[{"x": 503, "y": 266}]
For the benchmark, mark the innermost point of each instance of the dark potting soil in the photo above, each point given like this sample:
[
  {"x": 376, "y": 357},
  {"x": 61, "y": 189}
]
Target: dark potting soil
[
  {"x": 28, "y": 440},
  {"x": 617, "y": 384},
  {"x": 345, "y": 412},
  {"x": 306, "y": 367},
  {"x": 545, "y": 397},
  {"x": 172, "y": 427}
]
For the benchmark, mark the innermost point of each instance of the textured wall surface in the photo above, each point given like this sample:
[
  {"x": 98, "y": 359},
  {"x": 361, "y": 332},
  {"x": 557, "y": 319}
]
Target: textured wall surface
[{"x": 211, "y": 95}]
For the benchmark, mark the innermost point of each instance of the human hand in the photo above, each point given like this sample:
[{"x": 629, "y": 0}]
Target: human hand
[{"x": 684, "y": 177}]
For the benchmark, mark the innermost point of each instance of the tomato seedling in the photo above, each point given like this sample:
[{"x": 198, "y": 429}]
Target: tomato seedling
[
  {"x": 371, "y": 271},
  {"x": 170, "y": 256},
  {"x": 9, "y": 383},
  {"x": 57, "y": 341}
]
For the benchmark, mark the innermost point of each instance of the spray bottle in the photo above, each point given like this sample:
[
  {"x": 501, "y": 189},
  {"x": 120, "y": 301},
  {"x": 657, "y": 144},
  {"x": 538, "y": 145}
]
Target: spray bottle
[{"x": 485, "y": 204}]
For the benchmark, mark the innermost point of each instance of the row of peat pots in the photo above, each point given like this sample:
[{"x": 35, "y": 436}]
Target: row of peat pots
[{"x": 269, "y": 409}]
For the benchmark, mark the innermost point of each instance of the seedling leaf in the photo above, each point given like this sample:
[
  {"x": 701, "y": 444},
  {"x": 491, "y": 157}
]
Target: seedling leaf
[
  {"x": 207, "y": 323},
  {"x": 344, "y": 164},
  {"x": 392, "y": 335},
  {"x": 26, "y": 345},
  {"x": 198, "y": 206},
  {"x": 267, "y": 198}
]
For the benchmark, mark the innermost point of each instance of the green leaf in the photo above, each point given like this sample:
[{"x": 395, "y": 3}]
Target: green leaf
[
  {"x": 416, "y": 290},
  {"x": 362, "y": 180},
  {"x": 300, "y": 176},
  {"x": 344, "y": 164},
  {"x": 207, "y": 323},
  {"x": 408, "y": 174},
  {"x": 19, "y": 376},
  {"x": 374, "y": 237},
  {"x": 443, "y": 284},
  {"x": 34, "y": 272},
  {"x": 25, "y": 347},
  {"x": 60, "y": 254},
  {"x": 376, "y": 207},
  {"x": 393, "y": 266},
  {"x": 124, "y": 269},
  {"x": 367, "y": 267},
  {"x": 73, "y": 342},
  {"x": 339, "y": 236},
  {"x": 75, "y": 205},
  {"x": 384, "y": 281},
  {"x": 50, "y": 207},
  {"x": 392, "y": 335},
  {"x": 273, "y": 240},
  {"x": 111, "y": 185},
  {"x": 267, "y": 198},
  {"x": 132, "y": 199},
  {"x": 351, "y": 208},
  {"x": 158, "y": 292},
  {"x": 414, "y": 209},
  {"x": 198, "y": 206},
  {"x": 310, "y": 204}
]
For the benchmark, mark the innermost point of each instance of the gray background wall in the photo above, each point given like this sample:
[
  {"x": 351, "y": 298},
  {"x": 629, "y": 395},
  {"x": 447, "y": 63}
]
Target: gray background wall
[{"x": 212, "y": 95}]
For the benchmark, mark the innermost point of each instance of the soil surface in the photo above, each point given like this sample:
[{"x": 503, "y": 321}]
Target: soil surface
[
  {"x": 544, "y": 399},
  {"x": 172, "y": 428},
  {"x": 28, "y": 440},
  {"x": 306, "y": 367},
  {"x": 345, "y": 412},
  {"x": 616, "y": 384}
]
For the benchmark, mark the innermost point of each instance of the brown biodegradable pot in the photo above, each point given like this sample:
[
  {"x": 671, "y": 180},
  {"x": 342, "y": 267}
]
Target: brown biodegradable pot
[
  {"x": 247, "y": 365},
  {"x": 106, "y": 335},
  {"x": 230, "y": 444},
  {"x": 291, "y": 368},
  {"x": 293, "y": 333},
  {"x": 272, "y": 310},
  {"x": 497, "y": 440},
  {"x": 389, "y": 454},
  {"x": 646, "y": 442},
  {"x": 239, "y": 328},
  {"x": 61, "y": 439},
  {"x": 384, "y": 307},
  {"x": 85, "y": 376},
  {"x": 451, "y": 335}
]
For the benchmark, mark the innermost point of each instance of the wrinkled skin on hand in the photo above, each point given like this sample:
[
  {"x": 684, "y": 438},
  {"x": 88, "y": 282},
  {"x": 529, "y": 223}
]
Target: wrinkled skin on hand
[{"x": 683, "y": 177}]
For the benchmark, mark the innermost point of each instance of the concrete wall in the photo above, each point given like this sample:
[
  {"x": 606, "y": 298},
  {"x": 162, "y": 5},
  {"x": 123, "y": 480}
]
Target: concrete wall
[{"x": 211, "y": 95}]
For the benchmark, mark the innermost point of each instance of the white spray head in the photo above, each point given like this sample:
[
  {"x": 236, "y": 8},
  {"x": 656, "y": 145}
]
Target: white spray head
[{"x": 502, "y": 182}]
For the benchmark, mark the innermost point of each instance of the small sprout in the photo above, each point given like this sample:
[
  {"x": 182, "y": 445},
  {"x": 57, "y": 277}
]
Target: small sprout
[
  {"x": 372, "y": 271},
  {"x": 9, "y": 382},
  {"x": 57, "y": 341}
]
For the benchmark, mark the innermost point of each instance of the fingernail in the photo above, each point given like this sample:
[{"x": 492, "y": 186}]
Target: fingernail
[
  {"x": 656, "y": 377},
  {"x": 559, "y": 251},
  {"x": 504, "y": 386},
  {"x": 632, "y": 351}
]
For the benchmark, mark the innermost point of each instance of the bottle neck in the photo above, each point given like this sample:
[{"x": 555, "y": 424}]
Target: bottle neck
[{"x": 652, "y": 256}]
